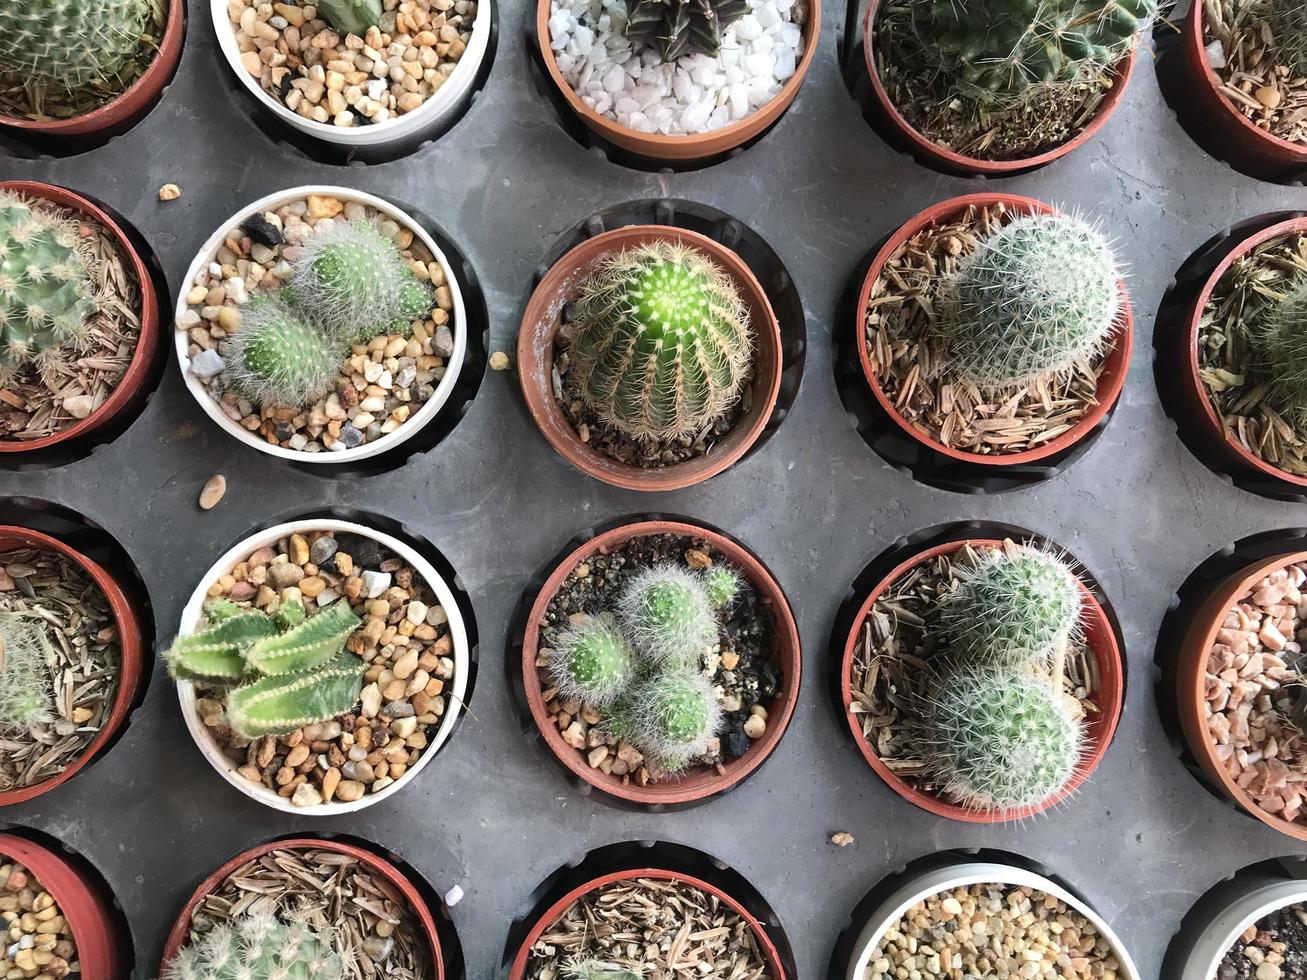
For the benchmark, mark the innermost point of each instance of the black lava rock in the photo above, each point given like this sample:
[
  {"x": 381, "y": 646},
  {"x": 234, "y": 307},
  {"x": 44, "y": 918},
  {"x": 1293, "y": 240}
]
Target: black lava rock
[{"x": 263, "y": 231}]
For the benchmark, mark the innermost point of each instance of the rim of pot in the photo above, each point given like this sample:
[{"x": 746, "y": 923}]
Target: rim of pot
[
  {"x": 131, "y": 658},
  {"x": 768, "y": 948},
  {"x": 788, "y": 654},
  {"x": 181, "y": 928},
  {"x": 1207, "y": 952},
  {"x": 1191, "y": 684},
  {"x": 687, "y": 146},
  {"x": 416, "y": 422},
  {"x": 132, "y": 380},
  {"x": 1100, "y": 730},
  {"x": 539, "y": 328},
  {"x": 1198, "y": 391},
  {"x": 961, "y": 875},
  {"x": 209, "y": 747},
  {"x": 1121, "y": 71},
  {"x": 1111, "y": 380},
  {"x": 450, "y": 93}
]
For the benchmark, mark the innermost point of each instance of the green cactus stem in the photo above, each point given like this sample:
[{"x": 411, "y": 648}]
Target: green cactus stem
[
  {"x": 282, "y": 703},
  {"x": 218, "y": 652},
  {"x": 277, "y": 358},
  {"x": 674, "y": 715},
  {"x": 592, "y": 663},
  {"x": 257, "y": 947},
  {"x": 677, "y": 27},
  {"x": 313, "y": 642},
  {"x": 721, "y": 585},
  {"x": 351, "y": 16},
  {"x": 26, "y": 686},
  {"x": 666, "y": 614}
]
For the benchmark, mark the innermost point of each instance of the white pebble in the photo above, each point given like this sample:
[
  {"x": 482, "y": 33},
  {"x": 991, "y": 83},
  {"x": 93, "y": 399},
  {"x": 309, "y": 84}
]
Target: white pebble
[{"x": 206, "y": 364}]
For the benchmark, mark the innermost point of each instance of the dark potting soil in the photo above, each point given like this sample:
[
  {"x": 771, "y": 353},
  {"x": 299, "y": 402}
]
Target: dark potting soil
[
  {"x": 1283, "y": 932},
  {"x": 747, "y": 628}
]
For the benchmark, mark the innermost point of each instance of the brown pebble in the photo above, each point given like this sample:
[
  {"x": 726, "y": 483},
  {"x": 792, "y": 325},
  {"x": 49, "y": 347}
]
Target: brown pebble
[
  {"x": 169, "y": 192},
  {"x": 842, "y": 839},
  {"x": 213, "y": 491}
]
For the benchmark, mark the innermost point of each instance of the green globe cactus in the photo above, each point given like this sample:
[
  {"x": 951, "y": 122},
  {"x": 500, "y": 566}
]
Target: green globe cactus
[
  {"x": 1012, "y": 609},
  {"x": 1287, "y": 20},
  {"x": 677, "y": 27},
  {"x": 721, "y": 585},
  {"x": 999, "y": 740},
  {"x": 25, "y": 683},
  {"x": 592, "y": 663},
  {"x": 257, "y": 947},
  {"x": 83, "y": 48},
  {"x": 662, "y": 341},
  {"x": 276, "y": 358},
  {"x": 1032, "y": 300},
  {"x": 48, "y": 289},
  {"x": 1280, "y": 344},
  {"x": 674, "y": 715},
  {"x": 666, "y": 614}
]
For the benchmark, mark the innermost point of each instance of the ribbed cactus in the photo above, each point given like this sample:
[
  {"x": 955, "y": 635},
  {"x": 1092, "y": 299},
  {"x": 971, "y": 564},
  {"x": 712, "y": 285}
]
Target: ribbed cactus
[
  {"x": 257, "y": 947},
  {"x": 999, "y": 739},
  {"x": 720, "y": 585},
  {"x": 677, "y": 27},
  {"x": 1031, "y": 300},
  {"x": 81, "y": 47},
  {"x": 994, "y": 50},
  {"x": 218, "y": 652},
  {"x": 587, "y": 968},
  {"x": 592, "y": 663},
  {"x": 1012, "y": 608},
  {"x": 674, "y": 715},
  {"x": 48, "y": 291},
  {"x": 310, "y": 644},
  {"x": 276, "y": 358},
  {"x": 666, "y": 614},
  {"x": 662, "y": 341},
  {"x": 25, "y": 658},
  {"x": 1280, "y": 343},
  {"x": 282, "y": 703},
  {"x": 351, "y": 16},
  {"x": 1287, "y": 20}
]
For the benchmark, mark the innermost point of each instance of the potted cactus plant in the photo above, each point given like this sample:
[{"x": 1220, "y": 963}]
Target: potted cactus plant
[
  {"x": 666, "y": 351},
  {"x": 996, "y": 693},
  {"x": 994, "y": 331},
  {"x": 321, "y": 325},
  {"x": 997, "y": 87},
  {"x": 92, "y": 69}
]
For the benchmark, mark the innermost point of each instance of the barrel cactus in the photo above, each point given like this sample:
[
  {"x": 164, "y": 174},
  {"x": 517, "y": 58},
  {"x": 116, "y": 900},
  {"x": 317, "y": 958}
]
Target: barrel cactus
[
  {"x": 1280, "y": 342},
  {"x": 82, "y": 48},
  {"x": 999, "y": 740},
  {"x": 257, "y": 947},
  {"x": 277, "y": 358},
  {"x": 1030, "y": 301},
  {"x": 674, "y": 715},
  {"x": 592, "y": 663},
  {"x": 1287, "y": 20},
  {"x": 667, "y": 616},
  {"x": 25, "y": 682},
  {"x": 662, "y": 342},
  {"x": 677, "y": 27},
  {"x": 48, "y": 289}
]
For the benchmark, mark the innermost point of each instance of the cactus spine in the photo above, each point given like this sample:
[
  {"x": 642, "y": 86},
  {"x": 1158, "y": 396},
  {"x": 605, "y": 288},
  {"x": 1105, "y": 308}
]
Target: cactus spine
[
  {"x": 276, "y": 358},
  {"x": 1280, "y": 343},
  {"x": 25, "y": 682},
  {"x": 82, "y": 48},
  {"x": 1287, "y": 20},
  {"x": 662, "y": 341},
  {"x": 677, "y": 27},
  {"x": 667, "y": 616},
  {"x": 257, "y": 947},
  {"x": 674, "y": 716},
  {"x": 593, "y": 664}
]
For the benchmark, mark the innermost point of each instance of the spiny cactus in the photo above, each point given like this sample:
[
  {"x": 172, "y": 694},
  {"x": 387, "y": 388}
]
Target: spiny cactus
[
  {"x": 666, "y": 614},
  {"x": 257, "y": 947},
  {"x": 48, "y": 289},
  {"x": 218, "y": 652},
  {"x": 281, "y": 703},
  {"x": 588, "y": 968},
  {"x": 25, "y": 681},
  {"x": 674, "y": 715},
  {"x": 1287, "y": 20},
  {"x": 994, "y": 50},
  {"x": 677, "y": 27},
  {"x": 1012, "y": 608},
  {"x": 1280, "y": 343},
  {"x": 999, "y": 739},
  {"x": 1032, "y": 299},
  {"x": 351, "y": 16},
  {"x": 662, "y": 341},
  {"x": 592, "y": 663},
  {"x": 308, "y": 645},
  {"x": 721, "y": 584},
  {"x": 80, "y": 47},
  {"x": 276, "y": 358}
]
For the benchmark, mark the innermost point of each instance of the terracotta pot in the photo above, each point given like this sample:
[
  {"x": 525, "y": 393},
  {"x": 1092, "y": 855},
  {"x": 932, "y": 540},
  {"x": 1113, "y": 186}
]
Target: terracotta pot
[
  {"x": 1110, "y": 380},
  {"x": 1191, "y": 683},
  {"x": 695, "y": 785},
  {"x": 131, "y": 661},
  {"x": 125, "y": 110},
  {"x": 378, "y": 864},
  {"x": 688, "y": 149},
  {"x": 768, "y": 948},
  {"x": 1099, "y": 729},
  {"x": 81, "y": 900},
  {"x": 130, "y": 390},
  {"x": 946, "y": 159},
  {"x": 1247, "y": 143},
  {"x": 535, "y": 358},
  {"x": 1195, "y": 392}
]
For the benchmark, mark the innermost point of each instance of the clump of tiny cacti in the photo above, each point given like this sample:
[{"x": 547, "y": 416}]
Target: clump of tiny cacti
[
  {"x": 588, "y": 968},
  {"x": 281, "y": 672},
  {"x": 677, "y": 27},
  {"x": 1280, "y": 342},
  {"x": 258, "y": 947},
  {"x": 593, "y": 664},
  {"x": 277, "y": 357},
  {"x": 668, "y": 616},
  {"x": 662, "y": 342},
  {"x": 1031, "y": 301},
  {"x": 1287, "y": 20},
  {"x": 25, "y": 682}
]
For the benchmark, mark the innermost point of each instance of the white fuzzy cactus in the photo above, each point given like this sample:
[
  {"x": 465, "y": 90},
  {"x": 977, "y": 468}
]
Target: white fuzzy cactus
[{"x": 258, "y": 947}]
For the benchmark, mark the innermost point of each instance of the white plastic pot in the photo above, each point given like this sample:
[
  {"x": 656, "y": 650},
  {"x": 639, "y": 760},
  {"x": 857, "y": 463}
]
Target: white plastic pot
[
  {"x": 455, "y": 696},
  {"x": 1217, "y": 935},
  {"x": 435, "y": 112},
  {"x": 954, "y": 876},
  {"x": 415, "y": 422}
]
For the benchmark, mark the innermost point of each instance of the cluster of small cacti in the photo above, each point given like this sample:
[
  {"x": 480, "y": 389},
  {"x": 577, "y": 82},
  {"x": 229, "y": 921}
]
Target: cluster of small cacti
[
  {"x": 1280, "y": 343},
  {"x": 258, "y": 946},
  {"x": 662, "y": 342},
  {"x": 641, "y": 664},
  {"x": 994, "y": 51},
  {"x": 25, "y": 658},
  {"x": 348, "y": 284},
  {"x": 282, "y": 671},
  {"x": 48, "y": 290},
  {"x": 677, "y": 27},
  {"x": 1031, "y": 301},
  {"x": 1287, "y": 20}
]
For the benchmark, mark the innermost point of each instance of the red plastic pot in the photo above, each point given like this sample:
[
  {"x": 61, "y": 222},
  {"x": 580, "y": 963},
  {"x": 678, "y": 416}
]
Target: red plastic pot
[
  {"x": 959, "y": 163},
  {"x": 129, "y": 638},
  {"x": 693, "y": 786},
  {"x": 1247, "y": 143},
  {"x": 1099, "y": 728},
  {"x": 1110, "y": 380},
  {"x": 124, "y": 110},
  {"x": 535, "y": 360},
  {"x": 130, "y": 390},
  {"x": 768, "y": 948},
  {"x": 182, "y": 928},
  {"x": 81, "y": 899},
  {"x": 1191, "y": 683},
  {"x": 1195, "y": 392}
]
